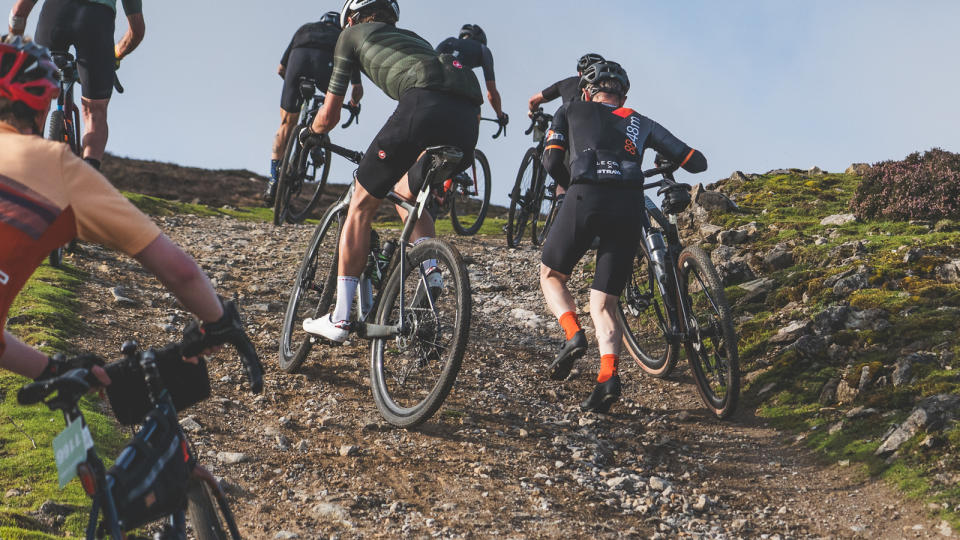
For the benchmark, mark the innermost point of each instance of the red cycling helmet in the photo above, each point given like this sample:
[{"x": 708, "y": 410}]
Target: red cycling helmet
[{"x": 27, "y": 74}]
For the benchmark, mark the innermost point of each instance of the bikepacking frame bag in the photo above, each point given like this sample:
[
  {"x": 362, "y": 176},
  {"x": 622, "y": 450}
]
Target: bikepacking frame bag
[
  {"x": 188, "y": 384},
  {"x": 150, "y": 477}
]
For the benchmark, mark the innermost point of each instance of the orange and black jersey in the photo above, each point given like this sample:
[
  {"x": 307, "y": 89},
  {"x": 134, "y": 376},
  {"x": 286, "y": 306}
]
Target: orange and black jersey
[
  {"x": 49, "y": 196},
  {"x": 606, "y": 145}
]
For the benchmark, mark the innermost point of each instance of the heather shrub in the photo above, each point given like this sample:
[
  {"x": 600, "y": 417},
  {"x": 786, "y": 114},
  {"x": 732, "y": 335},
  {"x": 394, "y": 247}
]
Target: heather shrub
[{"x": 919, "y": 187}]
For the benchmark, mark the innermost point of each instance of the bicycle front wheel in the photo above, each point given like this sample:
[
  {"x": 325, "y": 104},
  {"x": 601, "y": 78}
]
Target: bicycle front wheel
[
  {"x": 521, "y": 198},
  {"x": 712, "y": 343},
  {"x": 412, "y": 374},
  {"x": 471, "y": 201},
  {"x": 643, "y": 318},
  {"x": 547, "y": 209},
  {"x": 291, "y": 154},
  {"x": 208, "y": 520},
  {"x": 313, "y": 291}
]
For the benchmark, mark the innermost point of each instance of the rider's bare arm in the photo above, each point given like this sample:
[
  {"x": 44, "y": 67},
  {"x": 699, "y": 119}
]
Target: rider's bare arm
[
  {"x": 180, "y": 274},
  {"x": 356, "y": 94},
  {"x": 329, "y": 115},
  {"x": 535, "y": 101},
  {"x": 135, "y": 31},
  {"x": 20, "y": 358},
  {"x": 493, "y": 96},
  {"x": 18, "y": 16},
  {"x": 282, "y": 71}
]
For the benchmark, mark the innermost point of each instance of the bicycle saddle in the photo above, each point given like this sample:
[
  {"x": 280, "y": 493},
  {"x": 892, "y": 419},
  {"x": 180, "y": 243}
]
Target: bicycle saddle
[
  {"x": 63, "y": 60},
  {"x": 307, "y": 87},
  {"x": 443, "y": 160}
]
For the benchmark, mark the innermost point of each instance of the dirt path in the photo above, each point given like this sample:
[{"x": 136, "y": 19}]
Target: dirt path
[{"x": 509, "y": 455}]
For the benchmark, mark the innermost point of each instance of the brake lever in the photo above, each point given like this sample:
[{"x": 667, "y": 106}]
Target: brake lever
[{"x": 251, "y": 362}]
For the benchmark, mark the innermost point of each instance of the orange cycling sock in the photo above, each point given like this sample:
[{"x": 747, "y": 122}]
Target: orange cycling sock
[
  {"x": 608, "y": 367},
  {"x": 570, "y": 324}
]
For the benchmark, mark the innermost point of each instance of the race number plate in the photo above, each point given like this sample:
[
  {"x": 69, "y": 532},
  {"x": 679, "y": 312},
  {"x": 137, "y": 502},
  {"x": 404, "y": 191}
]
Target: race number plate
[{"x": 70, "y": 449}]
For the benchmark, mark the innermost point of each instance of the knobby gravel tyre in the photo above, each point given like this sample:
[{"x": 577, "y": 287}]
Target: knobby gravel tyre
[
  {"x": 301, "y": 205},
  {"x": 712, "y": 348},
  {"x": 520, "y": 199},
  {"x": 312, "y": 292},
  {"x": 280, "y": 200},
  {"x": 58, "y": 132},
  {"x": 206, "y": 521},
  {"x": 411, "y": 375},
  {"x": 643, "y": 318},
  {"x": 468, "y": 210},
  {"x": 545, "y": 213}
]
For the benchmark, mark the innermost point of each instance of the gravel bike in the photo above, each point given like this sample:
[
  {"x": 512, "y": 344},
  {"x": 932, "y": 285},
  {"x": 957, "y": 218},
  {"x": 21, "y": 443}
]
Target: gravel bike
[
  {"x": 466, "y": 196},
  {"x": 65, "y": 120},
  {"x": 156, "y": 476},
  {"x": 534, "y": 199},
  {"x": 418, "y": 333},
  {"x": 675, "y": 297},
  {"x": 304, "y": 172}
]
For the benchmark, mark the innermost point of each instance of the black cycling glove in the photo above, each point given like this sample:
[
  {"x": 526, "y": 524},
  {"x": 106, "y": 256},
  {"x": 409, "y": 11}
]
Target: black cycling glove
[
  {"x": 228, "y": 330},
  {"x": 308, "y": 137},
  {"x": 60, "y": 364},
  {"x": 504, "y": 119}
]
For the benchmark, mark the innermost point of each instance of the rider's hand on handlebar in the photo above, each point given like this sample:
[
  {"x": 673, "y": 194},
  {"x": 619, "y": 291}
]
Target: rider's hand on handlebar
[
  {"x": 60, "y": 364},
  {"x": 504, "y": 119},
  {"x": 309, "y": 137}
]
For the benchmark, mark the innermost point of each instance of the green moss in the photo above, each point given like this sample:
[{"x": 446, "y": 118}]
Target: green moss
[{"x": 44, "y": 313}]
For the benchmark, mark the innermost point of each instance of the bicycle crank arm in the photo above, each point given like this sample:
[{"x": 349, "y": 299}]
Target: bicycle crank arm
[{"x": 378, "y": 331}]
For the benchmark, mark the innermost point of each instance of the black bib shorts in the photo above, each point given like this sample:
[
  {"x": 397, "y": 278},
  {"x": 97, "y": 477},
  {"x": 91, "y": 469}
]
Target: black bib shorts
[
  {"x": 423, "y": 118},
  {"x": 89, "y": 28},
  {"x": 316, "y": 64},
  {"x": 590, "y": 211}
]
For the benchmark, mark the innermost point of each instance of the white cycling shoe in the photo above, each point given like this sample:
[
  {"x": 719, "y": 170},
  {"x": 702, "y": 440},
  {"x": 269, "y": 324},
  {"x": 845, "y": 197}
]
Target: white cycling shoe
[{"x": 336, "y": 332}]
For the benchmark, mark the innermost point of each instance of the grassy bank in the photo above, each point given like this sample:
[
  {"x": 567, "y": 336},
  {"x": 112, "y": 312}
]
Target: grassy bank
[{"x": 44, "y": 315}]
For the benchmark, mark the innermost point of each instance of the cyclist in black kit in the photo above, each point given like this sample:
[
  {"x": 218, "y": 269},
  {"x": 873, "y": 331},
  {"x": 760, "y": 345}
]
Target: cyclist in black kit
[
  {"x": 471, "y": 50},
  {"x": 566, "y": 89},
  {"x": 310, "y": 54},
  {"x": 88, "y": 26},
  {"x": 605, "y": 199},
  {"x": 439, "y": 101}
]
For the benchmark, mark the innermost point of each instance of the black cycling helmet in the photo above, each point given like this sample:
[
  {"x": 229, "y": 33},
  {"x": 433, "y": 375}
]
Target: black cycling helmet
[
  {"x": 352, "y": 6},
  {"x": 472, "y": 31},
  {"x": 605, "y": 71},
  {"x": 588, "y": 60},
  {"x": 331, "y": 17}
]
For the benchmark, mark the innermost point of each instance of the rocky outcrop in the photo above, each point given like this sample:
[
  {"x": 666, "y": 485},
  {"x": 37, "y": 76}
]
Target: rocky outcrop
[{"x": 931, "y": 414}]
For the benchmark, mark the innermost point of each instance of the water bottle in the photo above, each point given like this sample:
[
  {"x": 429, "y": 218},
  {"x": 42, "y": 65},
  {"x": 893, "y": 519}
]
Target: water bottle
[
  {"x": 658, "y": 255},
  {"x": 365, "y": 296},
  {"x": 384, "y": 257}
]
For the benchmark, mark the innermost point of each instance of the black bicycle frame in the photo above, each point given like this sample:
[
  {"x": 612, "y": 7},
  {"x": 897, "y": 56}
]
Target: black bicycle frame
[{"x": 67, "y": 74}]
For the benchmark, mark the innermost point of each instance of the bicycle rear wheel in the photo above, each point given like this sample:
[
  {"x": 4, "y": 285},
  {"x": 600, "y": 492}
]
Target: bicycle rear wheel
[
  {"x": 411, "y": 375},
  {"x": 303, "y": 176},
  {"x": 471, "y": 202},
  {"x": 209, "y": 521},
  {"x": 547, "y": 209},
  {"x": 712, "y": 344},
  {"x": 313, "y": 291},
  {"x": 59, "y": 132},
  {"x": 642, "y": 316},
  {"x": 521, "y": 198}
]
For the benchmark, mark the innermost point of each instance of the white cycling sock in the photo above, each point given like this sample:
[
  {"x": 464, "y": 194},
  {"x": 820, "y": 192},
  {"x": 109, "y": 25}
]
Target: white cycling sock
[{"x": 346, "y": 290}]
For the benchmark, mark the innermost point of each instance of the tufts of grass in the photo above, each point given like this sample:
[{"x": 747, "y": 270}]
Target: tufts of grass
[{"x": 44, "y": 314}]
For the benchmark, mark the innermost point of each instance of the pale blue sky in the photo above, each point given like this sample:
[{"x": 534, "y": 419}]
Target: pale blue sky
[{"x": 754, "y": 84}]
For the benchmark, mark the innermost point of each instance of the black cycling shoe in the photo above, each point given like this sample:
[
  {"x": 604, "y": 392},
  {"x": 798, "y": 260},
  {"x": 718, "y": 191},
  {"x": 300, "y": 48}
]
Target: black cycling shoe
[
  {"x": 571, "y": 351},
  {"x": 603, "y": 396},
  {"x": 271, "y": 193}
]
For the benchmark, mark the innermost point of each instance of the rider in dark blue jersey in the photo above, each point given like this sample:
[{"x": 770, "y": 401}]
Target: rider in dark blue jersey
[{"x": 471, "y": 50}]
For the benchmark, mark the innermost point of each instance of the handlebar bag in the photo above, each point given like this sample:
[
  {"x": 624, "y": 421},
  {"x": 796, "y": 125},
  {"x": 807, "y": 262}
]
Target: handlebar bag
[
  {"x": 187, "y": 384},
  {"x": 149, "y": 479}
]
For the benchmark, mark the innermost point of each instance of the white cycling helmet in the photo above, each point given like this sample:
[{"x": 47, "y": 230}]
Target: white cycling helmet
[{"x": 351, "y": 6}]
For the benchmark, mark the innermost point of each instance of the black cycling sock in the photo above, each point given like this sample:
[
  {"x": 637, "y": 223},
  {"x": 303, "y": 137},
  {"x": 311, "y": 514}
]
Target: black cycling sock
[{"x": 95, "y": 163}]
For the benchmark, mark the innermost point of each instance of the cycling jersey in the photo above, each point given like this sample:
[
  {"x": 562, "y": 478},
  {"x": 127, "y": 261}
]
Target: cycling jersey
[
  {"x": 397, "y": 60},
  {"x": 606, "y": 145},
  {"x": 471, "y": 53},
  {"x": 49, "y": 196},
  {"x": 310, "y": 55},
  {"x": 316, "y": 35},
  {"x": 568, "y": 89},
  {"x": 89, "y": 27}
]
